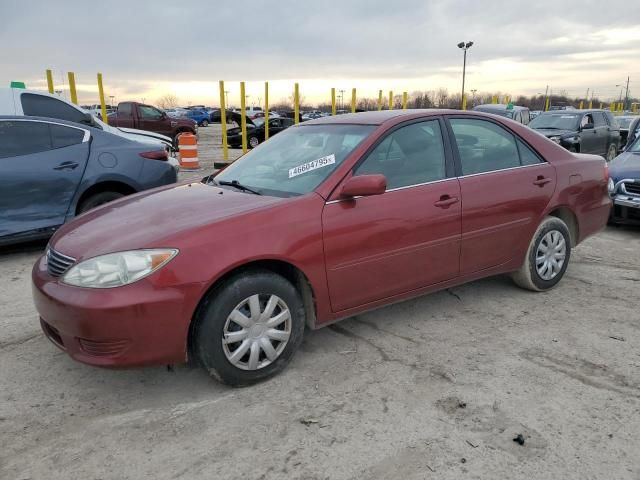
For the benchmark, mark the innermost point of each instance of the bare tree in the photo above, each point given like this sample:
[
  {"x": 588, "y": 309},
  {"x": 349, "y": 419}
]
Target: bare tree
[{"x": 168, "y": 100}]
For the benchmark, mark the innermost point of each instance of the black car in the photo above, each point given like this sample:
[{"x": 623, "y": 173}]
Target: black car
[
  {"x": 514, "y": 112},
  {"x": 584, "y": 131},
  {"x": 255, "y": 129},
  {"x": 625, "y": 122}
]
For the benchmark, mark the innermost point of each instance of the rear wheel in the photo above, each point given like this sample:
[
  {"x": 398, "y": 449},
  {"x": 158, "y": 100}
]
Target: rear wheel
[
  {"x": 547, "y": 257},
  {"x": 205, "y": 123},
  {"x": 248, "y": 329},
  {"x": 98, "y": 199},
  {"x": 253, "y": 141},
  {"x": 612, "y": 152}
]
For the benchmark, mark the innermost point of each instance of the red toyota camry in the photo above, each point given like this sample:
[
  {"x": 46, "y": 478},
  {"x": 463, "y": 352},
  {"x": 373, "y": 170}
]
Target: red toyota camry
[{"x": 327, "y": 219}]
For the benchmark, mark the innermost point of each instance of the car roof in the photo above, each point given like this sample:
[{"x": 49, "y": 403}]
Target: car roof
[
  {"x": 377, "y": 117},
  {"x": 498, "y": 106}
]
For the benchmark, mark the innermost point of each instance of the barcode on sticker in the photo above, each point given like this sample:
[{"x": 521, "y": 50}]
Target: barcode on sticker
[{"x": 312, "y": 165}]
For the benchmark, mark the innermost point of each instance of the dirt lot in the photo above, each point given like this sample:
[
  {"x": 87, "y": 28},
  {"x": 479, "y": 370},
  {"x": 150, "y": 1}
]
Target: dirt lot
[{"x": 436, "y": 387}]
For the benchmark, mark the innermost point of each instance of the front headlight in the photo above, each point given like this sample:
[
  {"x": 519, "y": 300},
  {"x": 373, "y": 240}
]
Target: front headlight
[
  {"x": 117, "y": 269},
  {"x": 611, "y": 186},
  {"x": 555, "y": 139}
]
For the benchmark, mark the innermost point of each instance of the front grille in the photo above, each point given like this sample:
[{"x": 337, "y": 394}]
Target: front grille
[
  {"x": 104, "y": 348},
  {"x": 633, "y": 188},
  {"x": 58, "y": 264}
]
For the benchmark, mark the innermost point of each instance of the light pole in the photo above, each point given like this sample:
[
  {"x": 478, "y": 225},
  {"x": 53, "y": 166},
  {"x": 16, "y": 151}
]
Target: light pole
[
  {"x": 112, "y": 97},
  {"x": 341, "y": 99},
  {"x": 464, "y": 46},
  {"x": 226, "y": 99},
  {"x": 473, "y": 96}
]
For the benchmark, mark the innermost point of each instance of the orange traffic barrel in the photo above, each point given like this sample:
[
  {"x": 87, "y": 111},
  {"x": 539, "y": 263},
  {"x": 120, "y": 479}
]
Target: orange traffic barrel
[{"x": 188, "y": 148}]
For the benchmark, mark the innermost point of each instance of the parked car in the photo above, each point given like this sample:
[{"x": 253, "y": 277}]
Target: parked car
[
  {"x": 634, "y": 131},
  {"x": 583, "y": 131},
  {"x": 96, "y": 110},
  {"x": 534, "y": 113},
  {"x": 201, "y": 117},
  {"x": 177, "y": 112},
  {"x": 255, "y": 130},
  {"x": 625, "y": 122},
  {"x": 514, "y": 112},
  {"x": 624, "y": 185},
  {"x": 17, "y": 101},
  {"x": 147, "y": 117},
  {"x": 328, "y": 219},
  {"x": 52, "y": 170}
]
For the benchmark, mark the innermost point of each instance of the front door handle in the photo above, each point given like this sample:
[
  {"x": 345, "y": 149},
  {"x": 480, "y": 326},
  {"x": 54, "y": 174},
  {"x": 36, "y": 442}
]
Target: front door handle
[
  {"x": 446, "y": 201},
  {"x": 66, "y": 166},
  {"x": 541, "y": 181}
]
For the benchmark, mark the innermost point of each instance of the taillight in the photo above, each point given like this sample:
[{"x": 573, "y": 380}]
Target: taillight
[{"x": 155, "y": 155}]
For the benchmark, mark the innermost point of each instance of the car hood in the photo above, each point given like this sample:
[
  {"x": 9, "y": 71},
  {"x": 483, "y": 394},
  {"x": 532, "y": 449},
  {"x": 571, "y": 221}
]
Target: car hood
[
  {"x": 625, "y": 165},
  {"x": 552, "y": 132},
  {"x": 131, "y": 132},
  {"x": 161, "y": 217},
  {"x": 236, "y": 117}
]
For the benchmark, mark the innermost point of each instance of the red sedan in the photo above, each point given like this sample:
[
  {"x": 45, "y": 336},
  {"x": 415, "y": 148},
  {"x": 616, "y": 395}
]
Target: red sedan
[{"x": 326, "y": 220}]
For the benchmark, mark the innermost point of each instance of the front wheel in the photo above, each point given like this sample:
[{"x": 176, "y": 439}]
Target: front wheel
[
  {"x": 248, "y": 329},
  {"x": 612, "y": 152},
  {"x": 547, "y": 257},
  {"x": 205, "y": 123},
  {"x": 98, "y": 199},
  {"x": 253, "y": 141}
]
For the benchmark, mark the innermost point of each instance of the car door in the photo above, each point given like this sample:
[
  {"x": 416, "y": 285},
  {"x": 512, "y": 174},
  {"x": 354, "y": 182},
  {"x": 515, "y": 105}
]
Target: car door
[
  {"x": 407, "y": 238},
  {"x": 601, "y": 129},
  {"x": 589, "y": 142},
  {"x": 505, "y": 187},
  {"x": 153, "y": 120},
  {"x": 124, "y": 114},
  {"x": 41, "y": 166}
]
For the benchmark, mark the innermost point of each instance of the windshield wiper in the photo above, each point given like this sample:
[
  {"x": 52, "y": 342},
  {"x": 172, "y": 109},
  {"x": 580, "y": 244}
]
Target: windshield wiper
[{"x": 238, "y": 185}]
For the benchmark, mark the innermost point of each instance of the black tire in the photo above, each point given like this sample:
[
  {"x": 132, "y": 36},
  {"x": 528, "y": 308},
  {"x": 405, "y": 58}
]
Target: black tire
[
  {"x": 98, "y": 199},
  {"x": 204, "y": 123},
  {"x": 255, "y": 140},
  {"x": 207, "y": 335},
  {"x": 527, "y": 276}
]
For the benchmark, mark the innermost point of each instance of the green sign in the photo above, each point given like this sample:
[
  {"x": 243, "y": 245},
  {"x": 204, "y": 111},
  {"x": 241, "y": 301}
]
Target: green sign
[
  {"x": 17, "y": 85},
  {"x": 510, "y": 106}
]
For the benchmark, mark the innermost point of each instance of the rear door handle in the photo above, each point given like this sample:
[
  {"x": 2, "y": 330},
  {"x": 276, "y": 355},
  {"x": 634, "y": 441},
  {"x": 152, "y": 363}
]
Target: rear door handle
[
  {"x": 541, "y": 181},
  {"x": 66, "y": 166},
  {"x": 445, "y": 201}
]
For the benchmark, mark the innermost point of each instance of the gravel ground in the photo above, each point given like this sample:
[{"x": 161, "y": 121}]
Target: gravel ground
[{"x": 436, "y": 387}]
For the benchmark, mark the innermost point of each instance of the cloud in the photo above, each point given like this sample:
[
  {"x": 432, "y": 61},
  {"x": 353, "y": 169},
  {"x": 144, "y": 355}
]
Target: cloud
[{"x": 144, "y": 46}]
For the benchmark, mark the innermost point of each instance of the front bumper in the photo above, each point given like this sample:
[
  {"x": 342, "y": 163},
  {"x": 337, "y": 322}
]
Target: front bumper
[
  {"x": 626, "y": 208},
  {"x": 134, "y": 325}
]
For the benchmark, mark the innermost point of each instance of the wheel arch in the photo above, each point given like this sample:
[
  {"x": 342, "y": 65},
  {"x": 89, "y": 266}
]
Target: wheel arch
[
  {"x": 104, "y": 186},
  {"x": 570, "y": 219},
  {"x": 281, "y": 267}
]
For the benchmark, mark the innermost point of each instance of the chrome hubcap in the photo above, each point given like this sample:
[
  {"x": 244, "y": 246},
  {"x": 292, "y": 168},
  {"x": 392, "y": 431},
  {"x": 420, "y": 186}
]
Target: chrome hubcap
[
  {"x": 551, "y": 254},
  {"x": 253, "y": 141},
  {"x": 256, "y": 332}
]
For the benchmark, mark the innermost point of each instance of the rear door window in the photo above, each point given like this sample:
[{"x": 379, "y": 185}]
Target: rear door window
[
  {"x": 23, "y": 138},
  {"x": 41, "y": 106},
  {"x": 483, "y": 146},
  {"x": 150, "y": 113},
  {"x": 62, "y": 136},
  {"x": 527, "y": 156},
  {"x": 598, "y": 119}
]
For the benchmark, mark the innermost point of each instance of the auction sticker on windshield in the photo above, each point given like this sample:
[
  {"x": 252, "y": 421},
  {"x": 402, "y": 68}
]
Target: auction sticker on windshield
[{"x": 312, "y": 165}]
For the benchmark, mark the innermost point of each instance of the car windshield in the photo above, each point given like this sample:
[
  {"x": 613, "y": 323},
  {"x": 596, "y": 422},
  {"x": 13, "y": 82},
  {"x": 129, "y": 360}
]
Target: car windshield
[
  {"x": 258, "y": 122},
  {"x": 558, "y": 121},
  {"x": 624, "y": 122},
  {"x": 297, "y": 160}
]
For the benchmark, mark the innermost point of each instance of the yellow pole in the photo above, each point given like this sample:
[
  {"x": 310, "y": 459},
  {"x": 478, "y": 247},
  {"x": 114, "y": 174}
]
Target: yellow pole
[
  {"x": 464, "y": 102},
  {"x": 546, "y": 104},
  {"x": 494, "y": 99},
  {"x": 404, "y": 100},
  {"x": 590, "y": 104},
  {"x": 581, "y": 106},
  {"x": 50, "y": 81},
  {"x": 353, "y": 100},
  {"x": 103, "y": 105},
  {"x": 333, "y": 101},
  {"x": 600, "y": 105},
  {"x": 296, "y": 103},
  {"x": 266, "y": 111},
  {"x": 72, "y": 87},
  {"x": 223, "y": 123},
  {"x": 379, "y": 99},
  {"x": 243, "y": 118},
  {"x": 390, "y": 99}
]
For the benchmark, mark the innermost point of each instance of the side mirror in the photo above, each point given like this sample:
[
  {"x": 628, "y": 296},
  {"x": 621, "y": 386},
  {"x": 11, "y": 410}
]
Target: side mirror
[
  {"x": 588, "y": 126},
  {"x": 87, "y": 119},
  {"x": 364, "y": 185}
]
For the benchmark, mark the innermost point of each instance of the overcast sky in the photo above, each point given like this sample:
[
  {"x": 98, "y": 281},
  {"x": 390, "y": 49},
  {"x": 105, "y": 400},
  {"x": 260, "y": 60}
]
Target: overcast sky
[{"x": 145, "y": 49}]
